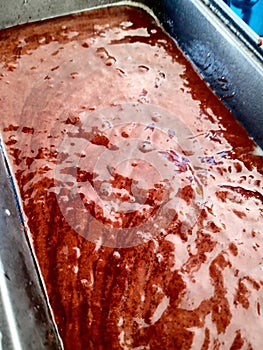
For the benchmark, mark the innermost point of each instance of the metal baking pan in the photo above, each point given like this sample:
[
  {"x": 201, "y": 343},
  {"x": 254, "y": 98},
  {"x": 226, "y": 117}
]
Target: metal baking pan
[{"x": 218, "y": 44}]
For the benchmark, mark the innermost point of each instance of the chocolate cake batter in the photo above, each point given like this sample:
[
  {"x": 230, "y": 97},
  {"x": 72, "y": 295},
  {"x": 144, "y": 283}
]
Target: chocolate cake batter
[{"x": 141, "y": 192}]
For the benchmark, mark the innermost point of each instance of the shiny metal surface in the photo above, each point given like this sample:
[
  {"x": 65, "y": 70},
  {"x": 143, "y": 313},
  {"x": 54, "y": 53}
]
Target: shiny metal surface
[
  {"x": 22, "y": 11},
  {"x": 25, "y": 318},
  {"x": 225, "y": 52}
]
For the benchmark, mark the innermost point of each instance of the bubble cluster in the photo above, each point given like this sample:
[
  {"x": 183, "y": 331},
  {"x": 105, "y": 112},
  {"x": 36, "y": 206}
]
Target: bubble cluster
[{"x": 139, "y": 169}]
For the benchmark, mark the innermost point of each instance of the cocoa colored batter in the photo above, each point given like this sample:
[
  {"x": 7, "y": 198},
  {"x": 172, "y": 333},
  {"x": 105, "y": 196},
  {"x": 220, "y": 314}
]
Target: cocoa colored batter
[{"x": 142, "y": 193}]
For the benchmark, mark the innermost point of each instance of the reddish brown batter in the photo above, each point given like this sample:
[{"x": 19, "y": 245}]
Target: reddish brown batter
[{"x": 142, "y": 194}]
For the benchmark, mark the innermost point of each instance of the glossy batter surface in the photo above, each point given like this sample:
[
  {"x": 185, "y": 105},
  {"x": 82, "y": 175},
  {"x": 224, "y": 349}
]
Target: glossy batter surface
[{"x": 142, "y": 194}]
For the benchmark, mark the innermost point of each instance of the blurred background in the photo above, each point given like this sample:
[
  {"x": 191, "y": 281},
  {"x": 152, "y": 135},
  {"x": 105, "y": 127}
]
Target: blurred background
[{"x": 251, "y": 11}]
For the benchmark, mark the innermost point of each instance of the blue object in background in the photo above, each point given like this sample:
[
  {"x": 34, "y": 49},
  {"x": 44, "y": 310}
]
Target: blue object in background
[{"x": 251, "y": 11}]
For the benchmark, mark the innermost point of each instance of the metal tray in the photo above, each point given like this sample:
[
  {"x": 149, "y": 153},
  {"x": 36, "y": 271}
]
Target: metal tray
[{"x": 218, "y": 44}]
